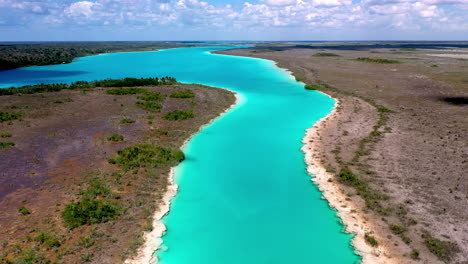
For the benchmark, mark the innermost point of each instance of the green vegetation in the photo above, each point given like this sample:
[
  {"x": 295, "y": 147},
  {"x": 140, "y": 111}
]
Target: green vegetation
[
  {"x": 325, "y": 54},
  {"x": 7, "y": 116},
  {"x": 370, "y": 239},
  {"x": 84, "y": 85},
  {"x": 149, "y": 106},
  {"x": 152, "y": 96},
  {"x": 312, "y": 87},
  {"x": 178, "y": 115},
  {"x": 5, "y": 135},
  {"x": 444, "y": 250},
  {"x": 116, "y": 138},
  {"x": 347, "y": 177},
  {"x": 183, "y": 94},
  {"x": 23, "y": 210},
  {"x": 131, "y": 82},
  {"x": 414, "y": 254},
  {"x": 20, "y": 55},
  {"x": 377, "y": 60},
  {"x": 147, "y": 155},
  {"x": 127, "y": 121},
  {"x": 30, "y": 256},
  {"x": 66, "y": 100},
  {"x": 6, "y": 145},
  {"x": 397, "y": 229},
  {"x": 47, "y": 239},
  {"x": 125, "y": 91},
  {"x": 90, "y": 210}
]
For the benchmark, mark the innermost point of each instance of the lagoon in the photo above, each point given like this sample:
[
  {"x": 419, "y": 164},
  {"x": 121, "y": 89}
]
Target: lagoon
[{"x": 244, "y": 193}]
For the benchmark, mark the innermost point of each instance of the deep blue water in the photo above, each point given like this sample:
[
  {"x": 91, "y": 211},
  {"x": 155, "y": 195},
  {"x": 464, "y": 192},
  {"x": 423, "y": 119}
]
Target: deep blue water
[{"x": 244, "y": 194}]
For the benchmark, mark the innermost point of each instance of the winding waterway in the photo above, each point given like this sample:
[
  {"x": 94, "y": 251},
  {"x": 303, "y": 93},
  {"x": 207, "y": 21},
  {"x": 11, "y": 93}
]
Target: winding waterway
[{"x": 244, "y": 193}]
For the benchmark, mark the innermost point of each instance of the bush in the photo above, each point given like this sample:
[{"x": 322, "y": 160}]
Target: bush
[
  {"x": 5, "y": 135},
  {"x": 47, "y": 239},
  {"x": 116, "y": 138},
  {"x": 444, "y": 250},
  {"x": 6, "y": 145},
  {"x": 346, "y": 176},
  {"x": 371, "y": 239},
  {"x": 97, "y": 188},
  {"x": 311, "y": 87},
  {"x": 414, "y": 254},
  {"x": 149, "y": 106},
  {"x": 31, "y": 256},
  {"x": 396, "y": 229},
  {"x": 178, "y": 115},
  {"x": 125, "y": 91},
  {"x": 89, "y": 212},
  {"x": 146, "y": 155},
  {"x": 6, "y": 116},
  {"x": 183, "y": 94},
  {"x": 23, "y": 210},
  {"x": 151, "y": 96},
  {"x": 127, "y": 121},
  {"x": 377, "y": 60}
]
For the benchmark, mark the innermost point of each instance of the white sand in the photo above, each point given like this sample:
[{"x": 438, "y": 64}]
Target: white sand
[{"x": 349, "y": 213}]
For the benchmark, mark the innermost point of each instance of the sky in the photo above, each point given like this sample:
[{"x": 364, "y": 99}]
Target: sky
[{"x": 175, "y": 20}]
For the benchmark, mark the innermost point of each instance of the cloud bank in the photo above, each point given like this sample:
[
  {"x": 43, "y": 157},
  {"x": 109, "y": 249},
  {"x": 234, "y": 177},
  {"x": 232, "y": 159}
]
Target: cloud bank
[{"x": 262, "y": 19}]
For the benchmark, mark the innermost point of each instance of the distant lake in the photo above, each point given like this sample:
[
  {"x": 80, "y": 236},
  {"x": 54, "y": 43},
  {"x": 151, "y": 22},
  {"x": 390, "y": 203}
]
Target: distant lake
[{"x": 244, "y": 194}]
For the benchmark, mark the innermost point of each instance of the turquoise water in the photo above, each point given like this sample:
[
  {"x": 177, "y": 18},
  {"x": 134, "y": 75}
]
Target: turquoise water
[{"x": 244, "y": 194}]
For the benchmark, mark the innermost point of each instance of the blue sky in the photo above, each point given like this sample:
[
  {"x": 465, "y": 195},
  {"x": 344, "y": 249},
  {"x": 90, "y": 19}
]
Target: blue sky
[{"x": 64, "y": 20}]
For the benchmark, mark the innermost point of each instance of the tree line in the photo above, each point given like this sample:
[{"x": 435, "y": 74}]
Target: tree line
[
  {"x": 15, "y": 55},
  {"x": 55, "y": 87}
]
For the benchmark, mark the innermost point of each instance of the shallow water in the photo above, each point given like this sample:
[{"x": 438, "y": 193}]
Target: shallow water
[{"x": 244, "y": 194}]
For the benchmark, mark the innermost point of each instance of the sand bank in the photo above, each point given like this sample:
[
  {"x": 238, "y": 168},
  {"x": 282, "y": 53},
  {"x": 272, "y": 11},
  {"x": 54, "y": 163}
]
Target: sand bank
[{"x": 351, "y": 215}]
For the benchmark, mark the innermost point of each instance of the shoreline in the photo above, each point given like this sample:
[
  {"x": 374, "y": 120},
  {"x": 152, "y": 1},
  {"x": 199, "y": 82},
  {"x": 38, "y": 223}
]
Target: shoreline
[
  {"x": 351, "y": 216},
  {"x": 153, "y": 239}
]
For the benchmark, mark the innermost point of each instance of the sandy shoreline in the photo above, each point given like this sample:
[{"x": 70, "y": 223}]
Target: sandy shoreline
[
  {"x": 350, "y": 214},
  {"x": 153, "y": 239}
]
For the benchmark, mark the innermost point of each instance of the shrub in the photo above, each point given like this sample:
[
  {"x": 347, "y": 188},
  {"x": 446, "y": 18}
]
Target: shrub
[
  {"x": 146, "y": 155},
  {"x": 311, "y": 87},
  {"x": 346, "y": 176},
  {"x": 6, "y": 145},
  {"x": 97, "y": 188},
  {"x": 116, "y": 138},
  {"x": 149, "y": 106},
  {"x": 23, "y": 210},
  {"x": 444, "y": 250},
  {"x": 183, "y": 94},
  {"x": 6, "y": 135},
  {"x": 151, "y": 96},
  {"x": 89, "y": 212},
  {"x": 178, "y": 115},
  {"x": 6, "y": 116},
  {"x": 125, "y": 91},
  {"x": 47, "y": 239},
  {"x": 377, "y": 60},
  {"x": 397, "y": 229},
  {"x": 31, "y": 256},
  {"x": 127, "y": 121},
  {"x": 414, "y": 254},
  {"x": 370, "y": 239}
]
